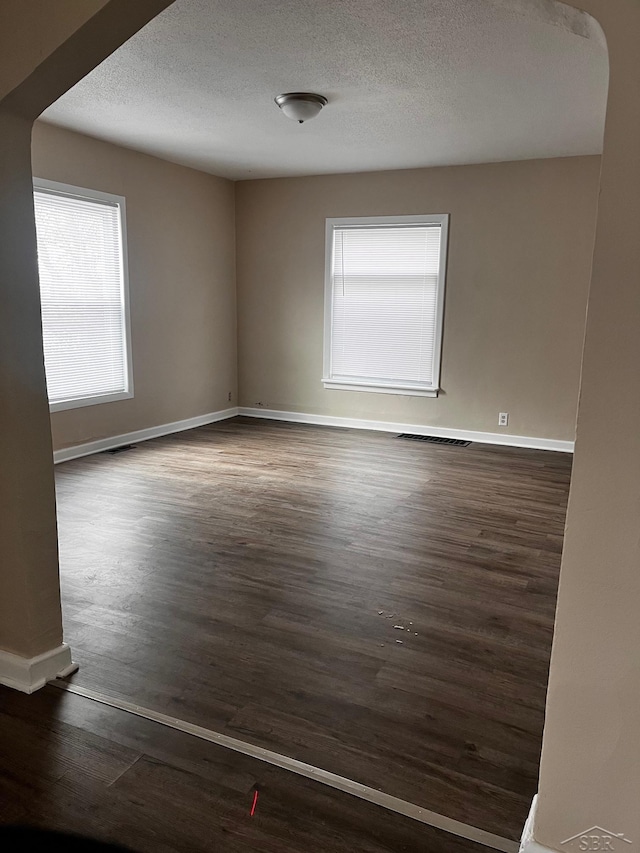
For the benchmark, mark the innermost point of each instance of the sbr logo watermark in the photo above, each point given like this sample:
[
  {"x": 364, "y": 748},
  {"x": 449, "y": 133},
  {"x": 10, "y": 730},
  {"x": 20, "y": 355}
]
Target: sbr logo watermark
[{"x": 596, "y": 839}]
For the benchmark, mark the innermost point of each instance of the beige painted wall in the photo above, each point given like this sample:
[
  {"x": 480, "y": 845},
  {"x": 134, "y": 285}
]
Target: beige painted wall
[
  {"x": 42, "y": 59},
  {"x": 590, "y": 768},
  {"x": 32, "y": 30},
  {"x": 180, "y": 228},
  {"x": 591, "y": 755},
  {"x": 520, "y": 246}
]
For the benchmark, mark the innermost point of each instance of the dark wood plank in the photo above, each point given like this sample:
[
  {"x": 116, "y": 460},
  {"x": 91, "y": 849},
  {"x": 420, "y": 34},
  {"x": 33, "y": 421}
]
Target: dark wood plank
[
  {"x": 175, "y": 792},
  {"x": 248, "y": 576}
]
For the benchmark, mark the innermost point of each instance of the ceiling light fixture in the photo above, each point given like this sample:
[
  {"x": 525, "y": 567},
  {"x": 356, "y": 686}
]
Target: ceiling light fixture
[{"x": 300, "y": 106}]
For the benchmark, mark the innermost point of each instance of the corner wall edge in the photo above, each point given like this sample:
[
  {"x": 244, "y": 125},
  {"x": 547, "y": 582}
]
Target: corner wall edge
[
  {"x": 527, "y": 843},
  {"x": 30, "y": 674}
]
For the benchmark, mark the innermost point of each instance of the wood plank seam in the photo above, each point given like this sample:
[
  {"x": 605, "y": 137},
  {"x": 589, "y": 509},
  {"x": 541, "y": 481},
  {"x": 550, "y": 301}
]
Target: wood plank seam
[{"x": 324, "y": 777}]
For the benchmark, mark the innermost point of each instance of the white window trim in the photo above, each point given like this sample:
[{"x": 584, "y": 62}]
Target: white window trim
[
  {"x": 441, "y": 219},
  {"x": 97, "y": 195}
]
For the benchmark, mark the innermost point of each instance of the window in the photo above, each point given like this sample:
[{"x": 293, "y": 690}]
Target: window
[
  {"x": 83, "y": 292},
  {"x": 384, "y": 300}
]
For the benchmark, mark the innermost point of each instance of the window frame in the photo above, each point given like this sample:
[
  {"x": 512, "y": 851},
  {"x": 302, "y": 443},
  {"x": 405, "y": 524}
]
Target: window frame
[
  {"x": 71, "y": 191},
  {"x": 431, "y": 390}
]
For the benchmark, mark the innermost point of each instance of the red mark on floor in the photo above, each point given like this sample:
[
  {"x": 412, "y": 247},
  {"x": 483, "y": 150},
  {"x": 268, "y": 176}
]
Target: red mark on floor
[{"x": 254, "y": 803}]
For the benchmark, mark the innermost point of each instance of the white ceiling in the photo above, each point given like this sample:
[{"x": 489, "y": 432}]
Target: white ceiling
[{"x": 410, "y": 83}]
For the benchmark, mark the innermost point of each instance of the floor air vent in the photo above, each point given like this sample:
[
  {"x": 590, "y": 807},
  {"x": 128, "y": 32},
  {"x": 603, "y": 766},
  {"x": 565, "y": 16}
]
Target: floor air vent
[{"x": 435, "y": 439}]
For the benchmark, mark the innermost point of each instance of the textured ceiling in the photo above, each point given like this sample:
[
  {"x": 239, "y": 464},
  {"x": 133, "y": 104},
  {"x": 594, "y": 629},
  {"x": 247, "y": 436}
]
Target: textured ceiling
[{"x": 410, "y": 83}]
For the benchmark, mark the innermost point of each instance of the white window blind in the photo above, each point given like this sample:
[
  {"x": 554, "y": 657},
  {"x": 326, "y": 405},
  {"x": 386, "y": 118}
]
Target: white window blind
[
  {"x": 384, "y": 303},
  {"x": 82, "y": 290}
]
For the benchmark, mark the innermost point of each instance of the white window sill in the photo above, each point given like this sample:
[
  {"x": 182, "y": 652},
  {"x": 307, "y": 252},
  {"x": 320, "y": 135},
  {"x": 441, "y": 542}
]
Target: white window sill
[
  {"x": 78, "y": 403},
  {"x": 401, "y": 390}
]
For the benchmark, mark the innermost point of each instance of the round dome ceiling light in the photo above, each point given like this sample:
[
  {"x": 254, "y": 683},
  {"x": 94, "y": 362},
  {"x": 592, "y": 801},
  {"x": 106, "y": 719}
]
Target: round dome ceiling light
[{"x": 300, "y": 106}]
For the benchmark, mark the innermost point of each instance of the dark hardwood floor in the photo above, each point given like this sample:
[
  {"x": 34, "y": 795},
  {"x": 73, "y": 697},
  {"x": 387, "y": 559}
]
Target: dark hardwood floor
[
  {"x": 72, "y": 765},
  {"x": 248, "y": 577}
]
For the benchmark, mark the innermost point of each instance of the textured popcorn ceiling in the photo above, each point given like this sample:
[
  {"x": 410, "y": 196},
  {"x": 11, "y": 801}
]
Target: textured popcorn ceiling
[{"x": 410, "y": 83}]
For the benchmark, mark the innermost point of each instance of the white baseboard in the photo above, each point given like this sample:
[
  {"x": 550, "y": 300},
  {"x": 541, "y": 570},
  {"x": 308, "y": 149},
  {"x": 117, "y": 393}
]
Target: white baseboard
[
  {"x": 384, "y": 426},
  {"x": 527, "y": 843},
  {"x": 101, "y": 444},
  {"x": 30, "y": 674}
]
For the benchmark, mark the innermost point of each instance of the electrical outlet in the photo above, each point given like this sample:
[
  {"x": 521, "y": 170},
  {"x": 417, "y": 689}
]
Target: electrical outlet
[
  {"x": 503, "y": 419},
  {"x": 229, "y": 397}
]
